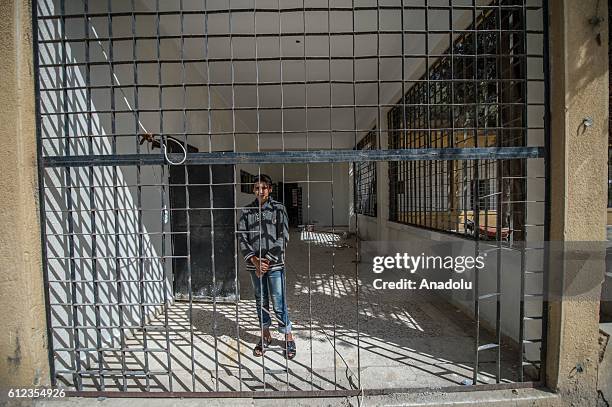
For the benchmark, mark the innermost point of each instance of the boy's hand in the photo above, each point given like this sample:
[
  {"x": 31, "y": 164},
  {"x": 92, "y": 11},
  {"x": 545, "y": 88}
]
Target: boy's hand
[
  {"x": 261, "y": 265},
  {"x": 255, "y": 261},
  {"x": 264, "y": 265}
]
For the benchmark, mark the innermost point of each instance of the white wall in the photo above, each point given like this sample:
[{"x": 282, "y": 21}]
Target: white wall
[
  {"x": 117, "y": 240},
  {"x": 321, "y": 183}
]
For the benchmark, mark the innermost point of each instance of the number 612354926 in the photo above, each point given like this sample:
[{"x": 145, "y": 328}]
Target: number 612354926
[{"x": 36, "y": 393}]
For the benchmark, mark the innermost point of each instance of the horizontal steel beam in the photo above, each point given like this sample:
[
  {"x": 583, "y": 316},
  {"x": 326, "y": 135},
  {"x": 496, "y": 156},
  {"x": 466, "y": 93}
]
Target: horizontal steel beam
[
  {"x": 306, "y": 393},
  {"x": 275, "y": 10},
  {"x": 290, "y": 157}
]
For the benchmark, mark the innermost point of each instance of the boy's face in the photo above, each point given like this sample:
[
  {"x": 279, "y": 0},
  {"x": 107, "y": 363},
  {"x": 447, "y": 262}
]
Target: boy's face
[{"x": 262, "y": 191}]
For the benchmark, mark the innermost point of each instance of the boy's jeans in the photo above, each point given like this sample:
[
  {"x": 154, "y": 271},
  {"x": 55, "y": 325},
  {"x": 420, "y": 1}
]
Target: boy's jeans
[{"x": 271, "y": 284}]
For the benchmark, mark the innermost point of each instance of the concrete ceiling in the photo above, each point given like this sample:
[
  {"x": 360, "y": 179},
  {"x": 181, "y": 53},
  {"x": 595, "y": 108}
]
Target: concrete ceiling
[{"x": 293, "y": 43}]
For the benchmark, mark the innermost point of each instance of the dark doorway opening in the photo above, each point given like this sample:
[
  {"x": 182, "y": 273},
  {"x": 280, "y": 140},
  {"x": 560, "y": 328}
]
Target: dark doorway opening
[
  {"x": 206, "y": 276},
  {"x": 291, "y": 196}
]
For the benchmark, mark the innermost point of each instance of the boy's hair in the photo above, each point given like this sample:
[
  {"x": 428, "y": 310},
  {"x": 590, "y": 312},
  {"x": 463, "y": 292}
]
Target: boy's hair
[{"x": 262, "y": 178}]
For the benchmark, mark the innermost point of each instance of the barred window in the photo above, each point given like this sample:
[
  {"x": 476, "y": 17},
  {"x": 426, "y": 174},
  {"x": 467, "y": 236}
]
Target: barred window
[
  {"x": 470, "y": 97},
  {"x": 365, "y": 178}
]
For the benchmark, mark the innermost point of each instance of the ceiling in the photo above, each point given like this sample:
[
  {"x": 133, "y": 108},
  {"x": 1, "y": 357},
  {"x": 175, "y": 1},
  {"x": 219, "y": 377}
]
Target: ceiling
[{"x": 315, "y": 108}]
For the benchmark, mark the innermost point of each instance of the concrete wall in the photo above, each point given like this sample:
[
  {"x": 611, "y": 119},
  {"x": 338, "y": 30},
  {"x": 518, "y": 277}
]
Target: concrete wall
[
  {"x": 319, "y": 183},
  {"x": 23, "y": 340},
  {"x": 579, "y": 74}
]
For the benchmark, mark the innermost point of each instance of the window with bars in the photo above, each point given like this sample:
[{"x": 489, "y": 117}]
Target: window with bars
[
  {"x": 472, "y": 96},
  {"x": 365, "y": 178}
]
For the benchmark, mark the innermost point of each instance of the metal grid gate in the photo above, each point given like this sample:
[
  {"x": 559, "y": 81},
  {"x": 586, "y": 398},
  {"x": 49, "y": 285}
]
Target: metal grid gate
[{"x": 153, "y": 116}]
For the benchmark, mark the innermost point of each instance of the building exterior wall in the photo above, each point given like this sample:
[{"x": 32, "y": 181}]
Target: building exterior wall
[
  {"x": 23, "y": 337},
  {"x": 579, "y": 78}
]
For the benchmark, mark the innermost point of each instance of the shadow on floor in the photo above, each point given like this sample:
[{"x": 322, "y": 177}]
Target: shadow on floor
[{"x": 344, "y": 341}]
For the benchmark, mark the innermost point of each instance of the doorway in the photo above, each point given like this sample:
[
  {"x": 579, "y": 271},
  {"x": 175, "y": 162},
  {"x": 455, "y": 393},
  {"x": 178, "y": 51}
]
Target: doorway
[{"x": 199, "y": 228}]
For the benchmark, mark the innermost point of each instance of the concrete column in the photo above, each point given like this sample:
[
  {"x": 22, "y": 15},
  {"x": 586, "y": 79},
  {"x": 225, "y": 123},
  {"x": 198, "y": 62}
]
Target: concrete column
[
  {"x": 24, "y": 356},
  {"x": 579, "y": 89}
]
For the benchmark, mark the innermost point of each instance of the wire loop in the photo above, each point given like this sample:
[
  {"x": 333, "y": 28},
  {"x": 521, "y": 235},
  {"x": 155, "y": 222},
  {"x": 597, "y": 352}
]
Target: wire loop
[{"x": 164, "y": 149}]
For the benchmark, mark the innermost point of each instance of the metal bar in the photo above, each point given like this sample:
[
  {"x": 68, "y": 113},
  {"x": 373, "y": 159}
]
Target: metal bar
[
  {"x": 92, "y": 200},
  {"x": 216, "y": 84},
  {"x": 80, "y": 304},
  {"x": 166, "y": 215},
  {"x": 41, "y": 202},
  {"x": 140, "y": 239},
  {"x": 76, "y": 377},
  {"x": 284, "y": 280},
  {"x": 421, "y": 142},
  {"x": 266, "y": 59},
  {"x": 189, "y": 269},
  {"x": 310, "y": 393},
  {"x": 202, "y": 184},
  {"x": 268, "y": 35},
  {"x": 476, "y": 207},
  {"x": 214, "y": 278},
  {"x": 112, "y": 349},
  {"x": 105, "y": 281},
  {"x": 331, "y": 137},
  {"x": 308, "y": 219},
  {"x": 547, "y": 190},
  {"x": 196, "y": 60},
  {"x": 235, "y": 181},
  {"x": 523, "y": 206},
  {"x": 407, "y": 203},
  {"x": 410, "y": 141},
  {"x": 288, "y": 10},
  {"x": 427, "y": 165},
  {"x": 356, "y": 215},
  {"x": 499, "y": 207},
  {"x": 326, "y": 131},
  {"x": 282, "y": 103},
  {"x": 237, "y": 293},
  {"x": 318, "y": 156},
  {"x": 259, "y": 229},
  {"x": 282, "y": 90},
  {"x": 116, "y": 233},
  {"x": 261, "y": 108}
]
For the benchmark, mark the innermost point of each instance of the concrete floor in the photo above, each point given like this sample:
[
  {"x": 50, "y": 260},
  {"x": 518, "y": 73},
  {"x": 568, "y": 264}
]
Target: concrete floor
[{"x": 396, "y": 340}]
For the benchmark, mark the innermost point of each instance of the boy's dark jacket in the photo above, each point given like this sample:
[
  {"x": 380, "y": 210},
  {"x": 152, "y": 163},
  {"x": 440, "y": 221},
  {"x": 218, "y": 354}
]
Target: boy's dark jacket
[{"x": 271, "y": 238}]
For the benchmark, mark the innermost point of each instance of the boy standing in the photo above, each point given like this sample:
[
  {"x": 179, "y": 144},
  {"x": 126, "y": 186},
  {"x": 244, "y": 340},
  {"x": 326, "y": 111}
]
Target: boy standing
[{"x": 263, "y": 235}]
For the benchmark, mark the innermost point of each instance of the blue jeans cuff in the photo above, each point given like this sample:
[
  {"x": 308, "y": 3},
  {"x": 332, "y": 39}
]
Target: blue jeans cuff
[{"x": 285, "y": 329}]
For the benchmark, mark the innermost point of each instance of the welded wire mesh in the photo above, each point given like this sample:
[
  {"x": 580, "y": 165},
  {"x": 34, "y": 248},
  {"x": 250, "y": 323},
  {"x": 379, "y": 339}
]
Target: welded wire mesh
[{"x": 153, "y": 118}]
